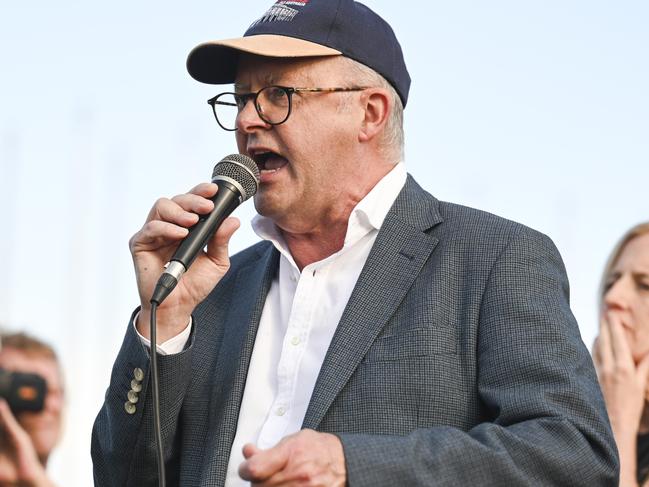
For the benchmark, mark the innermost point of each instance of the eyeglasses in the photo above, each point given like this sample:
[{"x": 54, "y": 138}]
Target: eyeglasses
[{"x": 273, "y": 104}]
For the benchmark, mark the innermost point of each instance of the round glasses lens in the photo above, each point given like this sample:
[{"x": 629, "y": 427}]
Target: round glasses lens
[
  {"x": 273, "y": 104},
  {"x": 225, "y": 108}
]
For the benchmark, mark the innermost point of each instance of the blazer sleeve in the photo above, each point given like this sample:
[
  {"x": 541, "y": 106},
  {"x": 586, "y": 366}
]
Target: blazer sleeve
[
  {"x": 123, "y": 443},
  {"x": 547, "y": 423}
]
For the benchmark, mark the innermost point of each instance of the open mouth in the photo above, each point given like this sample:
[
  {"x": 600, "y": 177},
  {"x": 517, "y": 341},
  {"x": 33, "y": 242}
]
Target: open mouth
[{"x": 268, "y": 161}]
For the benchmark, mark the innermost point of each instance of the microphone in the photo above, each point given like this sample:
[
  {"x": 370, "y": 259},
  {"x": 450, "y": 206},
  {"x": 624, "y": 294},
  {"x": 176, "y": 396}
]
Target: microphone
[{"x": 237, "y": 177}]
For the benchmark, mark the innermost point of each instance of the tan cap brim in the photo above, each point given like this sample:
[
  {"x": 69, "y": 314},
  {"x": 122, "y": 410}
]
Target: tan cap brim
[{"x": 215, "y": 62}]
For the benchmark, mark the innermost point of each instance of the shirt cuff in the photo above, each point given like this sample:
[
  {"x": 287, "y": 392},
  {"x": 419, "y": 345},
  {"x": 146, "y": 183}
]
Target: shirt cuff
[{"x": 171, "y": 346}]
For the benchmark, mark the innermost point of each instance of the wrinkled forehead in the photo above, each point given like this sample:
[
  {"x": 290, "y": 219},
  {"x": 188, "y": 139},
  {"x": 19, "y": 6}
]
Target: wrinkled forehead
[
  {"x": 257, "y": 71},
  {"x": 19, "y": 361}
]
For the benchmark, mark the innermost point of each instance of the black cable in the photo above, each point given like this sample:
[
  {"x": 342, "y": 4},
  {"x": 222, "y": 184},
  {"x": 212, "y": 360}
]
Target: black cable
[{"x": 156, "y": 398}]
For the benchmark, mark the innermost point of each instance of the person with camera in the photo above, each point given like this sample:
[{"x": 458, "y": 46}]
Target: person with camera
[{"x": 27, "y": 438}]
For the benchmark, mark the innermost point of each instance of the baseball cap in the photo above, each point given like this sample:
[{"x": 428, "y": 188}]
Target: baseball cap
[{"x": 308, "y": 28}]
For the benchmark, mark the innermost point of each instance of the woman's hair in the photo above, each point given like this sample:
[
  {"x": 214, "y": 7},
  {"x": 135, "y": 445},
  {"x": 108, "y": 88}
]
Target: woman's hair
[{"x": 636, "y": 231}]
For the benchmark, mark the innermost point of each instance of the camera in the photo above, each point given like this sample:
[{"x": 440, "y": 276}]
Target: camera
[{"x": 22, "y": 391}]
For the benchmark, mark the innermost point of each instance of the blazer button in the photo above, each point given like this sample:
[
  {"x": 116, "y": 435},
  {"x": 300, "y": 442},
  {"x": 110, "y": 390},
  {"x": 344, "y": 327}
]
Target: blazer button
[
  {"x": 132, "y": 397},
  {"x": 130, "y": 407},
  {"x": 138, "y": 373},
  {"x": 136, "y": 385}
]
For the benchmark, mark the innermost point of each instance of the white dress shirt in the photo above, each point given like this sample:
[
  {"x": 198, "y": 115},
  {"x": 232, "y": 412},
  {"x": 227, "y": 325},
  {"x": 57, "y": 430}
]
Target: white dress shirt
[{"x": 298, "y": 321}]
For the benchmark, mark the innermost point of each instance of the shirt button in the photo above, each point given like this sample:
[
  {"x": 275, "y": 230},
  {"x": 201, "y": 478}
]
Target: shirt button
[
  {"x": 280, "y": 411},
  {"x": 295, "y": 340}
]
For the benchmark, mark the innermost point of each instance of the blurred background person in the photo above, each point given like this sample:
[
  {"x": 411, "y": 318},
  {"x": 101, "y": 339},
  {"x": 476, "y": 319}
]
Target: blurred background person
[
  {"x": 621, "y": 352},
  {"x": 28, "y": 438}
]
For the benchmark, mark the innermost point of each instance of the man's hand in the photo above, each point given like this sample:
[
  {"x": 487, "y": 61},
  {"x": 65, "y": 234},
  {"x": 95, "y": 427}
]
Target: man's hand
[
  {"x": 307, "y": 458},
  {"x": 19, "y": 464},
  {"x": 152, "y": 247}
]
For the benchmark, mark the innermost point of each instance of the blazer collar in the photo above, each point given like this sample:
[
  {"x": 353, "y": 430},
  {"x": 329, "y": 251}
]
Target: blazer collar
[
  {"x": 415, "y": 207},
  {"x": 401, "y": 249},
  {"x": 252, "y": 282}
]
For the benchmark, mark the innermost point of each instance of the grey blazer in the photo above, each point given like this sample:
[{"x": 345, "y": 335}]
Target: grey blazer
[{"x": 457, "y": 361}]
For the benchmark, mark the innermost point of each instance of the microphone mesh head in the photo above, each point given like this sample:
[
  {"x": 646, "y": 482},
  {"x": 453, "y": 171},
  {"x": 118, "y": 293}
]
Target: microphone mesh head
[{"x": 241, "y": 169}]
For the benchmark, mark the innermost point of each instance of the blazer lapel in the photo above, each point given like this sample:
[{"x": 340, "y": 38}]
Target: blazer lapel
[
  {"x": 251, "y": 287},
  {"x": 399, "y": 252}
]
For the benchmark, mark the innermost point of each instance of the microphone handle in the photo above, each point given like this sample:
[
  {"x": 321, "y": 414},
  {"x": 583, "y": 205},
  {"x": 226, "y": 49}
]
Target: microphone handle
[{"x": 227, "y": 198}]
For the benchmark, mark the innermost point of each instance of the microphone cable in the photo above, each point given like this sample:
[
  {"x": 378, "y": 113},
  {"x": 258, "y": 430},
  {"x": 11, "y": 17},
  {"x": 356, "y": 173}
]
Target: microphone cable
[
  {"x": 238, "y": 179},
  {"x": 156, "y": 398}
]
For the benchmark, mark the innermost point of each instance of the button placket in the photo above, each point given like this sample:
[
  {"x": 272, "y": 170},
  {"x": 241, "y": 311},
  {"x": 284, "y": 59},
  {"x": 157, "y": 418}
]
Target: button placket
[{"x": 293, "y": 348}]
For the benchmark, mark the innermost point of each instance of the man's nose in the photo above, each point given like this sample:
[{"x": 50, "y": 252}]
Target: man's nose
[{"x": 248, "y": 118}]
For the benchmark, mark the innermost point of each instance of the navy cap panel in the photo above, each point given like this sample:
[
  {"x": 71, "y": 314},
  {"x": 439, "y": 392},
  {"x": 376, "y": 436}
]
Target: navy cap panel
[
  {"x": 362, "y": 35},
  {"x": 310, "y": 20},
  {"x": 344, "y": 25}
]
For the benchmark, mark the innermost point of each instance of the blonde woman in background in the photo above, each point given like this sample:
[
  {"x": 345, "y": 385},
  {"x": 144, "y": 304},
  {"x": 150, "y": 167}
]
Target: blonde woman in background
[{"x": 621, "y": 352}]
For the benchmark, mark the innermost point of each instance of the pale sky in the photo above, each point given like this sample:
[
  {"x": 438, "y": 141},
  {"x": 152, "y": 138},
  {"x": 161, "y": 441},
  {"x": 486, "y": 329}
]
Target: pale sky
[{"x": 536, "y": 111}]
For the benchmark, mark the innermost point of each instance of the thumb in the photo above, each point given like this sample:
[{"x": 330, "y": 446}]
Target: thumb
[
  {"x": 217, "y": 247},
  {"x": 249, "y": 450}
]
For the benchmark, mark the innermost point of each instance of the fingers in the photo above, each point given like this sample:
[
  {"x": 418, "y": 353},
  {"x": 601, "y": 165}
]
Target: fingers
[
  {"x": 171, "y": 211},
  {"x": 304, "y": 458},
  {"x": 27, "y": 469},
  {"x": 619, "y": 343},
  {"x": 169, "y": 219},
  {"x": 9, "y": 424},
  {"x": 603, "y": 345},
  {"x": 193, "y": 203},
  {"x": 183, "y": 208},
  {"x": 264, "y": 463},
  {"x": 597, "y": 359},
  {"x": 157, "y": 231},
  {"x": 206, "y": 190},
  {"x": 249, "y": 450}
]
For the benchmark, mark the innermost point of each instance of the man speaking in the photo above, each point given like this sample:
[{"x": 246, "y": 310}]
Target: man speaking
[{"x": 375, "y": 336}]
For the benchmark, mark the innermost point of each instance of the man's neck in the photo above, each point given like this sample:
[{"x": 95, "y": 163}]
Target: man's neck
[
  {"x": 316, "y": 245},
  {"x": 313, "y": 238}
]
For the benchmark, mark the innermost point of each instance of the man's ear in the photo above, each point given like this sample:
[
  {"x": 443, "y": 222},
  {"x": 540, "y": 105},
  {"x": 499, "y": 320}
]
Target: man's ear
[{"x": 377, "y": 105}]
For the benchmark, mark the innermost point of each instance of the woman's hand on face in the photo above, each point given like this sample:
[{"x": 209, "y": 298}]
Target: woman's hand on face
[{"x": 623, "y": 382}]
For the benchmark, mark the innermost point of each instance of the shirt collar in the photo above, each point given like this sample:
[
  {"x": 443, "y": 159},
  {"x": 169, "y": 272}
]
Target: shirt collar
[
  {"x": 374, "y": 207},
  {"x": 367, "y": 215}
]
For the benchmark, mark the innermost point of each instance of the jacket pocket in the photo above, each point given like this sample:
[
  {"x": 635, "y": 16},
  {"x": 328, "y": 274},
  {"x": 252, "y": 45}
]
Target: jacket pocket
[{"x": 415, "y": 342}]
